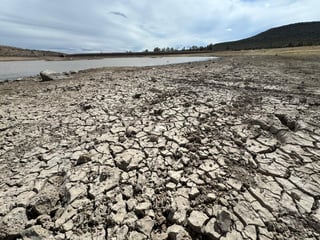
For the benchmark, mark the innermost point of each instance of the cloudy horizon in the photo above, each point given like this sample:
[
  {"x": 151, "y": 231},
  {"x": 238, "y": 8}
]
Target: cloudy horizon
[{"x": 107, "y": 26}]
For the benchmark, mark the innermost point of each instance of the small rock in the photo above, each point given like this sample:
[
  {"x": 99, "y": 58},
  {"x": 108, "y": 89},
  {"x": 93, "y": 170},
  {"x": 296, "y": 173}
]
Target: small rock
[
  {"x": 145, "y": 225},
  {"x": 141, "y": 208},
  {"x": 210, "y": 230},
  {"x": 68, "y": 226},
  {"x": 64, "y": 215},
  {"x": 85, "y": 106},
  {"x": 273, "y": 226},
  {"x": 76, "y": 191},
  {"x": 131, "y": 203},
  {"x": 136, "y": 235},
  {"x": 179, "y": 216},
  {"x": 137, "y": 95},
  {"x": 122, "y": 233},
  {"x": 13, "y": 223},
  {"x": 45, "y": 221},
  {"x": 129, "y": 159},
  {"x": 237, "y": 235},
  {"x": 191, "y": 147},
  {"x": 171, "y": 186},
  {"x": 175, "y": 175},
  {"x": 130, "y": 220},
  {"x": 158, "y": 112},
  {"x": 153, "y": 138},
  {"x": 224, "y": 221},
  {"x": 127, "y": 192},
  {"x": 118, "y": 217},
  {"x": 194, "y": 192},
  {"x": 43, "y": 203},
  {"x": 223, "y": 202},
  {"x": 221, "y": 187},
  {"x": 83, "y": 159},
  {"x": 196, "y": 220},
  {"x": 131, "y": 131},
  {"x": 211, "y": 197},
  {"x": 181, "y": 205},
  {"x": 249, "y": 232},
  {"x": 137, "y": 189},
  {"x": 35, "y": 233},
  {"x": 47, "y": 75},
  {"x": 177, "y": 232},
  {"x": 295, "y": 196},
  {"x": 24, "y": 198},
  {"x": 60, "y": 236},
  {"x": 109, "y": 183}
]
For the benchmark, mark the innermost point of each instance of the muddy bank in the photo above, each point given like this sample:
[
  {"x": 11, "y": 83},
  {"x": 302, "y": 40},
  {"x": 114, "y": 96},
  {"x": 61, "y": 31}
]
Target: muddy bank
[{"x": 213, "y": 150}]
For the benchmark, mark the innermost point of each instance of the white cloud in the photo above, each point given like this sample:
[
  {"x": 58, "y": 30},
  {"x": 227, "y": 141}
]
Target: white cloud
[{"x": 106, "y": 25}]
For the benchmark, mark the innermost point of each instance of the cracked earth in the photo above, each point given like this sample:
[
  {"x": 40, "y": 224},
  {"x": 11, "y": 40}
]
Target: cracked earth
[{"x": 225, "y": 149}]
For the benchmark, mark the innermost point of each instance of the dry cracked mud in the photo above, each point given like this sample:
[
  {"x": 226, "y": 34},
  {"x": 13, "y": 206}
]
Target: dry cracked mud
[{"x": 225, "y": 149}]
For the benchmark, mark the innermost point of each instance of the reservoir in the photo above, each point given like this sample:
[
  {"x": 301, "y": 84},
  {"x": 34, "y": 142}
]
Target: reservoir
[{"x": 16, "y": 69}]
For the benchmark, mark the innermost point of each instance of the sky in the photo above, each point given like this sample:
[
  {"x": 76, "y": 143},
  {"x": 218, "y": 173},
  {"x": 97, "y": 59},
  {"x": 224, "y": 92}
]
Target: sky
[{"x": 75, "y": 26}]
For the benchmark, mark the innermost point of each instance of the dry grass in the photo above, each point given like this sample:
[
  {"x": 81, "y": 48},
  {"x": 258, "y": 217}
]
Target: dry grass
[
  {"x": 293, "y": 51},
  {"x": 17, "y": 58},
  {"x": 49, "y": 58}
]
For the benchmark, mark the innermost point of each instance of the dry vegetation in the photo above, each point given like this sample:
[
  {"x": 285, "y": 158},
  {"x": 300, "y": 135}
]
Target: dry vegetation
[{"x": 313, "y": 51}]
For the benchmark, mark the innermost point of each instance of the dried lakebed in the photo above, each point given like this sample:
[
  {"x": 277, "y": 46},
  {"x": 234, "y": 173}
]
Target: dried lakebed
[{"x": 210, "y": 150}]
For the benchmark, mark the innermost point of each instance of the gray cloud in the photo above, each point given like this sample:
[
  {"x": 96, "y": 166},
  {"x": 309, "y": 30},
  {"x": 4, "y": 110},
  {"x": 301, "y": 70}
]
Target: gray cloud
[
  {"x": 105, "y": 25},
  {"x": 118, "y": 14}
]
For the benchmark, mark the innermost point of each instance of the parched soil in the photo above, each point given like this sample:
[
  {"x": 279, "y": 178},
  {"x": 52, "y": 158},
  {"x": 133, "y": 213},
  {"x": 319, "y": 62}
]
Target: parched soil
[{"x": 226, "y": 149}]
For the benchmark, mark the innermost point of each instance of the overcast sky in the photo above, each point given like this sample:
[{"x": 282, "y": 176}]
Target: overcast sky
[{"x": 135, "y": 25}]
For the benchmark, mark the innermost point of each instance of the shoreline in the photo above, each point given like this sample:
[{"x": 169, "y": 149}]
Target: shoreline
[
  {"x": 63, "y": 68},
  {"x": 215, "y": 149},
  {"x": 289, "y": 51},
  {"x": 106, "y": 56}
]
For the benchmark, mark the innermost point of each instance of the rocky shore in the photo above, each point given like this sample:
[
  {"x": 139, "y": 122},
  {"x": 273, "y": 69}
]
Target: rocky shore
[{"x": 226, "y": 149}]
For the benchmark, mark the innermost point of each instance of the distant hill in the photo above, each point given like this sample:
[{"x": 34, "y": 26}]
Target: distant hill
[
  {"x": 6, "y": 51},
  {"x": 293, "y": 35}
]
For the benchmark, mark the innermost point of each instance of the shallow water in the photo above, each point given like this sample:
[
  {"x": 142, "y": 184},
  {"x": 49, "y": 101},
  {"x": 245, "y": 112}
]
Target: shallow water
[{"x": 17, "y": 69}]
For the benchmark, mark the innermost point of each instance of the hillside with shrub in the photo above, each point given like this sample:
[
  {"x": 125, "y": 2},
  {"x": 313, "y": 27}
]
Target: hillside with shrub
[
  {"x": 293, "y": 35},
  {"x": 6, "y": 51}
]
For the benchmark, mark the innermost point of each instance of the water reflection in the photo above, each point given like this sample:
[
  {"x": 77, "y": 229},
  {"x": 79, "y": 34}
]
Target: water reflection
[{"x": 17, "y": 69}]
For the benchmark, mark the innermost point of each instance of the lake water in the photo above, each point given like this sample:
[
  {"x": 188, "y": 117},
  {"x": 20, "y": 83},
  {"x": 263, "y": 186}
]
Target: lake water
[{"x": 16, "y": 69}]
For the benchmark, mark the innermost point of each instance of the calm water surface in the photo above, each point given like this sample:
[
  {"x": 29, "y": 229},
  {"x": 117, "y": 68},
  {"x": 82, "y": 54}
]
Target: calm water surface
[{"x": 17, "y": 69}]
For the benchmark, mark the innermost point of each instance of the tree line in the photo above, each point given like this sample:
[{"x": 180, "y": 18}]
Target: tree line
[{"x": 184, "y": 49}]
